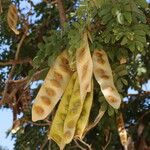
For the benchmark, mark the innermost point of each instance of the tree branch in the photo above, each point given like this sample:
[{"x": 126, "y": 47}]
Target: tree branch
[
  {"x": 96, "y": 121},
  {"x": 61, "y": 10},
  {"x": 15, "y": 62},
  {"x": 10, "y": 76}
]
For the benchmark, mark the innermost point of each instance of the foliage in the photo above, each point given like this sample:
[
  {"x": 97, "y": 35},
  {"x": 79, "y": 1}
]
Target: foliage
[{"x": 121, "y": 28}]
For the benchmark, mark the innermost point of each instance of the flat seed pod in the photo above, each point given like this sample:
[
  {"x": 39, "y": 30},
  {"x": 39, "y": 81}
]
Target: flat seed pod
[
  {"x": 12, "y": 18},
  {"x": 75, "y": 109},
  {"x": 84, "y": 67},
  {"x": 52, "y": 89},
  {"x": 84, "y": 116},
  {"x": 56, "y": 131},
  {"x": 122, "y": 131},
  {"x": 103, "y": 75}
]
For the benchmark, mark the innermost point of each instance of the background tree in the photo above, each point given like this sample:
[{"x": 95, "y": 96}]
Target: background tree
[{"x": 121, "y": 28}]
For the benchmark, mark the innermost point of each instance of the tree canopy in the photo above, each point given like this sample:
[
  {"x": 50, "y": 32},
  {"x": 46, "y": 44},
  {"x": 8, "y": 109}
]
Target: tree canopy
[{"x": 34, "y": 33}]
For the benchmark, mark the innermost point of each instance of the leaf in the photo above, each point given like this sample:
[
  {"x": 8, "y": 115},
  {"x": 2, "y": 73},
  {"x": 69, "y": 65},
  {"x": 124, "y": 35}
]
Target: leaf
[
  {"x": 123, "y": 73},
  {"x": 132, "y": 47},
  {"x": 120, "y": 18},
  {"x": 111, "y": 111},
  {"x": 124, "y": 41},
  {"x": 142, "y": 3},
  {"x": 139, "y": 32},
  {"x": 141, "y": 39},
  {"x": 139, "y": 46},
  {"x": 119, "y": 85},
  {"x": 12, "y": 18},
  {"x": 103, "y": 12},
  {"x": 128, "y": 17},
  {"x": 124, "y": 81}
]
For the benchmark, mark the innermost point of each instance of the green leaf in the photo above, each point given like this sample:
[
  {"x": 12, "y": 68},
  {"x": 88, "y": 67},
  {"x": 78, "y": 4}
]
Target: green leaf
[
  {"x": 103, "y": 12},
  {"x": 119, "y": 36},
  {"x": 128, "y": 17},
  {"x": 106, "y": 18},
  {"x": 132, "y": 47},
  {"x": 120, "y": 18},
  {"x": 119, "y": 85},
  {"x": 124, "y": 41},
  {"x": 140, "y": 38},
  {"x": 130, "y": 35},
  {"x": 110, "y": 111},
  {"x": 123, "y": 73},
  {"x": 139, "y": 32},
  {"x": 142, "y": 3},
  {"x": 139, "y": 46},
  {"x": 124, "y": 81},
  {"x": 104, "y": 106}
]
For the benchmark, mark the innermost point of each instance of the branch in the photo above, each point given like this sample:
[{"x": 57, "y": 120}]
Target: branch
[
  {"x": 10, "y": 76},
  {"x": 139, "y": 94},
  {"x": 15, "y": 62},
  {"x": 108, "y": 142},
  {"x": 61, "y": 10},
  {"x": 96, "y": 121}
]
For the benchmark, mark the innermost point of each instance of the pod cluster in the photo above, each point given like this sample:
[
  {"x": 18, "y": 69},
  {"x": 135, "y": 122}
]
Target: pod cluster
[{"x": 74, "y": 90}]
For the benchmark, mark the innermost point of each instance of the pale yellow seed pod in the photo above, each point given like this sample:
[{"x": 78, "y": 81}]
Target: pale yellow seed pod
[
  {"x": 84, "y": 116},
  {"x": 84, "y": 66},
  {"x": 56, "y": 130},
  {"x": 53, "y": 88},
  {"x": 122, "y": 131},
  {"x": 103, "y": 75},
  {"x": 75, "y": 109},
  {"x": 12, "y": 18}
]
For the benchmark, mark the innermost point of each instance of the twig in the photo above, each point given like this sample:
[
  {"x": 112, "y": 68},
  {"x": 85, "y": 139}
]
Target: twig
[
  {"x": 43, "y": 145},
  {"x": 108, "y": 142},
  {"x": 78, "y": 145},
  {"x": 15, "y": 62},
  {"x": 86, "y": 144},
  {"x": 39, "y": 124},
  {"x": 96, "y": 121},
  {"x": 140, "y": 94},
  {"x": 61, "y": 10}
]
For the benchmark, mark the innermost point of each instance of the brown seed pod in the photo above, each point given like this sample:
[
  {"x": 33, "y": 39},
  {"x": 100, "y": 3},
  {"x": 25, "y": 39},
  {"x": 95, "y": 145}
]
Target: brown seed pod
[
  {"x": 52, "y": 89},
  {"x": 122, "y": 131},
  {"x": 12, "y": 18},
  {"x": 84, "y": 66},
  {"x": 103, "y": 75}
]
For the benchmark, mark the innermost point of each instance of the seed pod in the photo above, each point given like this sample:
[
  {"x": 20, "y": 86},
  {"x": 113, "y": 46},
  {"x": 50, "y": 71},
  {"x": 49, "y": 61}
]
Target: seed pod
[
  {"x": 84, "y": 116},
  {"x": 12, "y": 18},
  {"x": 75, "y": 108},
  {"x": 52, "y": 89},
  {"x": 56, "y": 131},
  {"x": 122, "y": 131},
  {"x": 103, "y": 75},
  {"x": 84, "y": 67}
]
